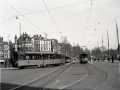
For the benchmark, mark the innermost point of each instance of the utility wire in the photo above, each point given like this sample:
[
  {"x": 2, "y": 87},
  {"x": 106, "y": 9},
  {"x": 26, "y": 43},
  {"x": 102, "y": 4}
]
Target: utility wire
[
  {"x": 43, "y": 11},
  {"x": 24, "y": 17},
  {"x": 11, "y": 6},
  {"x": 51, "y": 16}
]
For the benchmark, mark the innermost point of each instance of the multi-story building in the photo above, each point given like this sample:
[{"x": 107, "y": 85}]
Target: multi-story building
[
  {"x": 4, "y": 50},
  {"x": 37, "y": 43},
  {"x": 1, "y": 49},
  {"x": 54, "y": 45},
  {"x": 41, "y": 44},
  {"x": 64, "y": 48},
  {"x": 60, "y": 48},
  {"x": 46, "y": 45},
  {"x": 23, "y": 43}
]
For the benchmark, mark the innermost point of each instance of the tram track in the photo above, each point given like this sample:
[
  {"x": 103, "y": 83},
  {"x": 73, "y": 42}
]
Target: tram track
[
  {"x": 94, "y": 79},
  {"x": 19, "y": 76},
  {"x": 100, "y": 76},
  {"x": 43, "y": 79}
]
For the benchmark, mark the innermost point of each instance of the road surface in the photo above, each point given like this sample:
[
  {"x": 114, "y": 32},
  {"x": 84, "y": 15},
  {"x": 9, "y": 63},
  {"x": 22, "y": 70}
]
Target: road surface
[{"x": 96, "y": 76}]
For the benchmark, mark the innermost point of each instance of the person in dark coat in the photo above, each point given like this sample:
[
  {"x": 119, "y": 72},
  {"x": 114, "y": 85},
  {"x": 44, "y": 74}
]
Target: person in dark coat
[{"x": 112, "y": 59}]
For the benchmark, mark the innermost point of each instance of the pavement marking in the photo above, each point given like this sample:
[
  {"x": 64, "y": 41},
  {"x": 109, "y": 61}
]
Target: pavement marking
[
  {"x": 43, "y": 75},
  {"x": 68, "y": 85}
]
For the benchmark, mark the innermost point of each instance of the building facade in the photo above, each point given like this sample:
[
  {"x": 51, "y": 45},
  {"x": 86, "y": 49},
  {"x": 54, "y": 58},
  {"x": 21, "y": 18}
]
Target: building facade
[
  {"x": 41, "y": 44},
  {"x": 60, "y": 48},
  {"x": 54, "y": 45},
  {"x": 37, "y": 43},
  {"x": 1, "y": 49},
  {"x": 4, "y": 50},
  {"x": 23, "y": 43},
  {"x": 64, "y": 48}
]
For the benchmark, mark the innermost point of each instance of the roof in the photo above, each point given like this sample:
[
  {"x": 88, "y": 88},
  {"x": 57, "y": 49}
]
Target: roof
[
  {"x": 44, "y": 53},
  {"x": 39, "y": 53}
]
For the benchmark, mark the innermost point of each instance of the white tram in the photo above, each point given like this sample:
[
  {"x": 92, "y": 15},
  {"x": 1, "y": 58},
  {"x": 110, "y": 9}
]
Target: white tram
[{"x": 39, "y": 59}]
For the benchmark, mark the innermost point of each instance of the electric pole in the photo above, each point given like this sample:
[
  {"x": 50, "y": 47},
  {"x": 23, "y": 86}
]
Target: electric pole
[
  {"x": 19, "y": 29},
  {"x": 108, "y": 44},
  {"x": 19, "y": 25},
  {"x": 117, "y": 37},
  {"x": 91, "y": 3},
  {"x": 102, "y": 41}
]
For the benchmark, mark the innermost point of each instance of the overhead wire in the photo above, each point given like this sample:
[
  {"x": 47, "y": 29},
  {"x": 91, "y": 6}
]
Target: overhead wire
[
  {"x": 17, "y": 11},
  {"x": 44, "y": 11},
  {"x": 50, "y": 15}
]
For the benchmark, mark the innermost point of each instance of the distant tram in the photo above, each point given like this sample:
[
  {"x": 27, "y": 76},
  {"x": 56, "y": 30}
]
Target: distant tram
[
  {"x": 39, "y": 59},
  {"x": 83, "y": 58}
]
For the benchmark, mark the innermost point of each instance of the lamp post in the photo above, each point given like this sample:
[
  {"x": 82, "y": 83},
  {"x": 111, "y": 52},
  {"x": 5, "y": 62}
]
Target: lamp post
[{"x": 19, "y": 40}]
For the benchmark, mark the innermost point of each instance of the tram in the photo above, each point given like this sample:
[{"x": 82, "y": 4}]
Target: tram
[
  {"x": 39, "y": 59},
  {"x": 83, "y": 58}
]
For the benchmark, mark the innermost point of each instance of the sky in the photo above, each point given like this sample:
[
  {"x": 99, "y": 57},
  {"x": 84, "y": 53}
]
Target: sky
[{"x": 83, "y": 22}]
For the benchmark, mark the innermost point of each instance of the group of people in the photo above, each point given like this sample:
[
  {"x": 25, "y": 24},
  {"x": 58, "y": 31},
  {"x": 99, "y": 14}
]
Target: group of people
[{"x": 110, "y": 59}]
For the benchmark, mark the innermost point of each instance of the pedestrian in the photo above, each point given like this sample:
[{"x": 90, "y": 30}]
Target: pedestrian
[
  {"x": 112, "y": 59},
  {"x": 5, "y": 63}
]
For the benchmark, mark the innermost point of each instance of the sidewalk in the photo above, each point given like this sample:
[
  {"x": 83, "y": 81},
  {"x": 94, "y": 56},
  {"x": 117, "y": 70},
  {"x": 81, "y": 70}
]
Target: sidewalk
[
  {"x": 105, "y": 61},
  {"x": 8, "y": 67}
]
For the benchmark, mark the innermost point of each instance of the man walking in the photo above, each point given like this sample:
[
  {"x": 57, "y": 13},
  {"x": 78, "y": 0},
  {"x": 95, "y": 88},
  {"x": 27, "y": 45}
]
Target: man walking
[{"x": 112, "y": 59}]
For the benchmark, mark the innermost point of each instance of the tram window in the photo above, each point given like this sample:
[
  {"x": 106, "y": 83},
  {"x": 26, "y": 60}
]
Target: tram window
[
  {"x": 27, "y": 57},
  {"x": 21, "y": 57},
  {"x": 37, "y": 57},
  {"x": 33, "y": 57}
]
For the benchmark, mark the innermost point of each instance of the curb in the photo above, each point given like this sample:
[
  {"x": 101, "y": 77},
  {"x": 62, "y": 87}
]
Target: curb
[{"x": 8, "y": 68}]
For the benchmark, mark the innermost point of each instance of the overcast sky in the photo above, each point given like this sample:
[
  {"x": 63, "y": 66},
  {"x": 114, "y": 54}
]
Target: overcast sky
[{"x": 83, "y": 23}]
